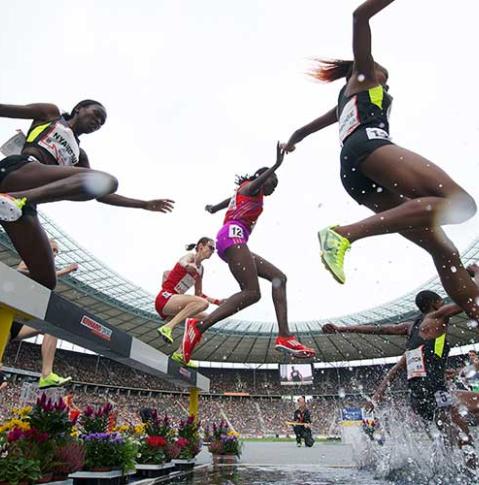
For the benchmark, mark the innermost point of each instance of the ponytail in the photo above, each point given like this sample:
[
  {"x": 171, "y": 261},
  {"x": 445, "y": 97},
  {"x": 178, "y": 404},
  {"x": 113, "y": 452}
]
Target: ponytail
[
  {"x": 203, "y": 240},
  {"x": 328, "y": 70}
]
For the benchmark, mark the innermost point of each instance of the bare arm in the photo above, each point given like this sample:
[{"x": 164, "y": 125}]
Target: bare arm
[
  {"x": 215, "y": 208},
  {"x": 399, "y": 329},
  {"x": 157, "y": 205},
  {"x": 318, "y": 124},
  {"x": 363, "y": 59},
  {"x": 388, "y": 379},
  {"x": 35, "y": 111},
  {"x": 255, "y": 186}
]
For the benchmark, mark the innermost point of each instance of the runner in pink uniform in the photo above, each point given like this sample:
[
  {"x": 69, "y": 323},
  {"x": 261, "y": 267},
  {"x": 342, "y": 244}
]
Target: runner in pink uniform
[{"x": 244, "y": 208}]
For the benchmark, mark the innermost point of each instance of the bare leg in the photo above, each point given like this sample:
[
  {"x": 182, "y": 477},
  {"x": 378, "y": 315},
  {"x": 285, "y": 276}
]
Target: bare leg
[
  {"x": 431, "y": 197},
  {"x": 182, "y": 307},
  {"x": 33, "y": 246},
  {"x": 49, "y": 347},
  {"x": 455, "y": 279},
  {"x": 243, "y": 268},
  {"x": 278, "y": 282},
  {"x": 48, "y": 183}
]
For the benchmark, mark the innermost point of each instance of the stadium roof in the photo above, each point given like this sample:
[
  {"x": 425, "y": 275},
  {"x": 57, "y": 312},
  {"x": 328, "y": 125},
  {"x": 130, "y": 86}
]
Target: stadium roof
[{"x": 127, "y": 306}]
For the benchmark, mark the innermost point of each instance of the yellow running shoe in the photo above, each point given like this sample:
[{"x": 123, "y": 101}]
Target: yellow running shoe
[
  {"x": 11, "y": 208},
  {"x": 166, "y": 334},
  {"x": 333, "y": 249},
  {"x": 52, "y": 380},
  {"x": 178, "y": 358}
]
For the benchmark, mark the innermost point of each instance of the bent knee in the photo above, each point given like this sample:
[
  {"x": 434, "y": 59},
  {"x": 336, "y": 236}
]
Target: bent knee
[
  {"x": 99, "y": 184},
  {"x": 202, "y": 304},
  {"x": 461, "y": 207},
  {"x": 253, "y": 296}
]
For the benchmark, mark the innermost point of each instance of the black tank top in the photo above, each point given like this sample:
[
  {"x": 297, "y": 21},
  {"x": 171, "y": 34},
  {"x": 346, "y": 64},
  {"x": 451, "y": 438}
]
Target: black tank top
[
  {"x": 426, "y": 359},
  {"x": 368, "y": 108}
]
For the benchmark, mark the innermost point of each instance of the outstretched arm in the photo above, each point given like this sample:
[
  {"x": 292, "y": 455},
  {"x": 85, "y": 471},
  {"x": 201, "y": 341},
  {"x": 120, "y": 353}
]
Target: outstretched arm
[
  {"x": 36, "y": 111},
  {"x": 215, "y": 208},
  {"x": 318, "y": 124},
  {"x": 363, "y": 59},
  {"x": 399, "y": 329},
  {"x": 255, "y": 186}
]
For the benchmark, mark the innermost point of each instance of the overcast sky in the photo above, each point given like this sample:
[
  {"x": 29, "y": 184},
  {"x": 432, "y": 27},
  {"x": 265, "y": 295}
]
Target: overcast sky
[{"x": 197, "y": 92}]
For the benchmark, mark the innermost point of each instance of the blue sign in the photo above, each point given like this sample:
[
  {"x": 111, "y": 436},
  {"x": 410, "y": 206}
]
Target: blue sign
[{"x": 352, "y": 414}]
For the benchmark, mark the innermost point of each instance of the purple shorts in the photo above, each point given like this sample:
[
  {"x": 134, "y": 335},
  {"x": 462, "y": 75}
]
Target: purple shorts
[{"x": 233, "y": 232}]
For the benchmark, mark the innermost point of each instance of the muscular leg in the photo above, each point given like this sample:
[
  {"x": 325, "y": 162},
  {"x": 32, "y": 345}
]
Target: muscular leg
[
  {"x": 41, "y": 183},
  {"x": 182, "y": 307},
  {"x": 458, "y": 284},
  {"x": 243, "y": 268},
  {"x": 49, "y": 348},
  {"x": 430, "y": 197},
  {"x": 278, "y": 282},
  {"x": 33, "y": 246}
]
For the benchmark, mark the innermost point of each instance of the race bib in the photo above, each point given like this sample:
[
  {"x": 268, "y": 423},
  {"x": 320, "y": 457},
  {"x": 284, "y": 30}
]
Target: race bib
[
  {"x": 377, "y": 134},
  {"x": 415, "y": 363},
  {"x": 235, "y": 231},
  {"x": 443, "y": 399},
  {"x": 185, "y": 284},
  {"x": 349, "y": 119}
]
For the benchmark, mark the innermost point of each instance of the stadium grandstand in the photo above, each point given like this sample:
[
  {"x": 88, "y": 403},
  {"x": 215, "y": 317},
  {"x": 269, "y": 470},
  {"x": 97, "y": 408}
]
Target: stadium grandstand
[{"x": 250, "y": 396}]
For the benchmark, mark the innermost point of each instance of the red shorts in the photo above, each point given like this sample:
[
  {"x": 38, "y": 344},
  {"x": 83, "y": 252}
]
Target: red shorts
[{"x": 161, "y": 300}]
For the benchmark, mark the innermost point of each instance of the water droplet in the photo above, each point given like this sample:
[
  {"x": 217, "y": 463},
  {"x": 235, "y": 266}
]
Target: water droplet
[
  {"x": 453, "y": 269},
  {"x": 361, "y": 77},
  {"x": 379, "y": 189}
]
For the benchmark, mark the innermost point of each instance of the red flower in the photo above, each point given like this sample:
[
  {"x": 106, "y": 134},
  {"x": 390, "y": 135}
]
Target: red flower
[
  {"x": 156, "y": 441},
  {"x": 182, "y": 442},
  {"x": 14, "y": 435}
]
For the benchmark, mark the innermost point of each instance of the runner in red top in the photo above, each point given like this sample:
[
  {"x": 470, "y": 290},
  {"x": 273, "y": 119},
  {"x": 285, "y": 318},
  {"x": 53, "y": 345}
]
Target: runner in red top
[
  {"x": 243, "y": 211},
  {"x": 187, "y": 273}
]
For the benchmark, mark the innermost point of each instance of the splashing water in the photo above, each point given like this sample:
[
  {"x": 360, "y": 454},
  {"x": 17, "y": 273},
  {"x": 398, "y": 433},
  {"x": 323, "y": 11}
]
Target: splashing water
[{"x": 412, "y": 453}]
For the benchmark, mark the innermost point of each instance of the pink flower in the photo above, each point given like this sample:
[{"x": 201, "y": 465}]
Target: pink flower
[{"x": 182, "y": 442}]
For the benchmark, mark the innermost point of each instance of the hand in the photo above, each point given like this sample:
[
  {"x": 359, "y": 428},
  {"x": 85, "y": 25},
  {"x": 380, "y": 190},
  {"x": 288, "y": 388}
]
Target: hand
[
  {"x": 73, "y": 267},
  {"x": 159, "y": 205},
  {"x": 210, "y": 209},
  {"x": 287, "y": 147},
  {"x": 330, "y": 328}
]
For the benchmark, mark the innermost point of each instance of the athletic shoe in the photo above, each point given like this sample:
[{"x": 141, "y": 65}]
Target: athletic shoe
[
  {"x": 11, "y": 208},
  {"x": 166, "y": 333},
  {"x": 191, "y": 338},
  {"x": 178, "y": 358},
  {"x": 52, "y": 380},
  {"x": 298, "y": 445},
  {"x": 290, "y": 345},
  {"x": 333, "y": 249}
]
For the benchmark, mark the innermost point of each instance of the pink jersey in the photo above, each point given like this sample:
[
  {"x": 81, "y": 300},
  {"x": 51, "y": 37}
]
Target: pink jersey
[
  {"x": 179, "y": 281},
  {"x": 244, "y": 208}
]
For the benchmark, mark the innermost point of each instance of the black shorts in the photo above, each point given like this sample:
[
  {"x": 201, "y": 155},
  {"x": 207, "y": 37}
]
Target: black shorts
[
  {"x": 423, "y": 402},
  {"x": 15, "y": 330},
  {"x": 357, "y": 147},
  {"x": 9, "y": 165}
]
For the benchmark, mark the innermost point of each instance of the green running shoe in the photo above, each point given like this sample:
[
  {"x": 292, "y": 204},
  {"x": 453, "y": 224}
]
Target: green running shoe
[
  {"x": 333, "y": 249},
  {"x": 52, "y": 380},
  {"x": 166, "y": 334},
  {"x": 178, "y": 358}
]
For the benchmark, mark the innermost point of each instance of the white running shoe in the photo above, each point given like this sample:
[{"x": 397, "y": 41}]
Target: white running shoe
[{"x": 11, "y": 208}]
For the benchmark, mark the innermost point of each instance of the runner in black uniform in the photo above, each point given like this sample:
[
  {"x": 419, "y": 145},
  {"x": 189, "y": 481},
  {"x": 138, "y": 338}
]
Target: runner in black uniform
[
  {"x": 425, "y": 361},
  {"x": 53, "y": 167},
  {"x": 409, "y": 194}
]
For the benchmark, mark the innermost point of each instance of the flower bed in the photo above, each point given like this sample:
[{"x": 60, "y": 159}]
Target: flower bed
[{"x": 223, "y": 440}]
